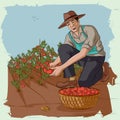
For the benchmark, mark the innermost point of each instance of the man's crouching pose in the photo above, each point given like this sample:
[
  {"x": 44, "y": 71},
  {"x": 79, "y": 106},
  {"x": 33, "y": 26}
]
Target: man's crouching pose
[{"x": 82, "y": 46}]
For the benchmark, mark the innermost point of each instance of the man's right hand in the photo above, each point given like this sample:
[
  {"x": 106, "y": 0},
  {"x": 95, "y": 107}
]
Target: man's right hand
[{"x": 53, "y": 65}]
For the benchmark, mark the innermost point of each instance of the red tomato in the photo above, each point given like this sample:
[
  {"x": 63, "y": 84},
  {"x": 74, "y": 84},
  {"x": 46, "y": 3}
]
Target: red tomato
[
  {"x": 22, "y": 85},
  {"x": 23, "y": 60},
  {"x": 50, "y": 71},
  {"x": 47, "y": 63},
  {"x": 44, "y": 70},
  {"x": 17, "y": 66},
  {"x": 43, "y": 54},
  {"x": 80, "y": 94},
  {"x": 81, "y": 88},
  {"x": 74, "y": 93},
  {"x": 96, "y": 92},
  {"x": 74, "y": 89},
  {"x": 42, "y": 50},
  {"x": 42, "y": 66},
  {"x": 85, "y": 91},
  {"x": 65, "y": 93},
  {"x": 61, "y": 92},
  {"x": 37, "y": 66},
  {"x": 92, "y": 92},
  {"x": 88, "y": 93}
]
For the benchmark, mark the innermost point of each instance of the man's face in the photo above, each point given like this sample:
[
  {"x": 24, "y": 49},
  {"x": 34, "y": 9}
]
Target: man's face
[{"x": 73, "y": 25}]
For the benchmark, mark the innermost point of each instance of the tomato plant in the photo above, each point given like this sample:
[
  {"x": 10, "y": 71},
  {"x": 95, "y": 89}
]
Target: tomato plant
[{"x": 32, "y": 65}]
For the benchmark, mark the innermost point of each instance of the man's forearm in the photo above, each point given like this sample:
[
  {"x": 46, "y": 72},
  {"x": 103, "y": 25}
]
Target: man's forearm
[
  {"x": 57, "y": 61},
  {"x": 75, "y": 58}
]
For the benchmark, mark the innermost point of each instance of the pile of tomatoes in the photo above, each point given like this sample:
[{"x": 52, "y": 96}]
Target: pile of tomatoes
[{"x": 79, "y": 91}]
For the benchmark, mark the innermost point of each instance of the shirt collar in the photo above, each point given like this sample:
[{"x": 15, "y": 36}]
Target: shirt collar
[{"x": 80, "y": 31}]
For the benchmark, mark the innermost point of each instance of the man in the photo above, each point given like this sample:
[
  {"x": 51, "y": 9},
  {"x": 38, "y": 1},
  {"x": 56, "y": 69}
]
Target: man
[{"x": 82, "y": 46}]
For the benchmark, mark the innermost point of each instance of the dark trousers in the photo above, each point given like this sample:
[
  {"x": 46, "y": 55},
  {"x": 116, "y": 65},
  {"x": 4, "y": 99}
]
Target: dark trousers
[{"x": 92, "y": 66}]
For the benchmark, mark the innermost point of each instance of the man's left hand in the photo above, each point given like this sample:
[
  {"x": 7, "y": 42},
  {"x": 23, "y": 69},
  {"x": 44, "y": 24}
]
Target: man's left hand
[{"x": 57, "y": 71}]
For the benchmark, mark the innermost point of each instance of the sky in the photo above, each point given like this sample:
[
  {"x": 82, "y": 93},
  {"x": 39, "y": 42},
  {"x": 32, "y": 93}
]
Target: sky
[
  {"x": 17, "y": 38},
  {"x": 24, "y": 26}
]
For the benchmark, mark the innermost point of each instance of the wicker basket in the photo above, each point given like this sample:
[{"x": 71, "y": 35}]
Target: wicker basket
[{"x": 79, "y": 102}]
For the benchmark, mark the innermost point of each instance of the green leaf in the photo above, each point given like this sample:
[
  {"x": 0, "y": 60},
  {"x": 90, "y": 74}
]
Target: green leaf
[
  {"x": 59, "y": 44},
  {"x": 23, "y": 76},
  {"x": 43, "y": 44},
  {"x": 40, "y": 81},
  {"x": 16, "y": 84},
  {"x": 18, "y": 71}
]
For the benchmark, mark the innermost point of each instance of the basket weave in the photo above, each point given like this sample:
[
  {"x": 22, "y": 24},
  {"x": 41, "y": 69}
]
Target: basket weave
[{"x": 79, "y": 102}]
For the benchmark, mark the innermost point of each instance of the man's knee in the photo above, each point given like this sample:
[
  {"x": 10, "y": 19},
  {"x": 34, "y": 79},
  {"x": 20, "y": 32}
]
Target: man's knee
[
  {"x": 64, "y": 48},
  {"x": 85, "y": 83},
  {"x": 89, "y": 82}
]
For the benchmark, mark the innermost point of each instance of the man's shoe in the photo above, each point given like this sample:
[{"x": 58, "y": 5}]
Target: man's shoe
[{"x": 67, "y": 84}]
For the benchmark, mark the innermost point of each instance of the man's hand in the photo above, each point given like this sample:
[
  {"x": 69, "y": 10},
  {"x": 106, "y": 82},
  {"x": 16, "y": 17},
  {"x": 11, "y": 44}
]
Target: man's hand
[
  {"x": 55, "y": 63},
  {"x": 52, "y": 65},
  {"x": 57, "y": 71}
]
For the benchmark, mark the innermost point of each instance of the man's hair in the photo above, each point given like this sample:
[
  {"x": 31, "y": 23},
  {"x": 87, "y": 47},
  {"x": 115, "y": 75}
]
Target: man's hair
[{"x": 76, "y": 18}]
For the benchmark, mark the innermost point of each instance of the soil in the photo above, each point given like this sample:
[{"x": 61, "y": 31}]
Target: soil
[{"x": 35, "y": 99}]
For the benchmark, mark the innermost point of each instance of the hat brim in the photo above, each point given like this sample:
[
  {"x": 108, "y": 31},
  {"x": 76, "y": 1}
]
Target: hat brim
[{"x": 65, "y": 22}]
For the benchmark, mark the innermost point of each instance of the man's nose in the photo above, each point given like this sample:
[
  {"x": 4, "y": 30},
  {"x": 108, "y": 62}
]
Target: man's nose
[{"x": 71, "y": 24}]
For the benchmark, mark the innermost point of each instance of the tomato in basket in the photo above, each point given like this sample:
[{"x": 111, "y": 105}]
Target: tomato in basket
[{"x": 79, "y": 91}]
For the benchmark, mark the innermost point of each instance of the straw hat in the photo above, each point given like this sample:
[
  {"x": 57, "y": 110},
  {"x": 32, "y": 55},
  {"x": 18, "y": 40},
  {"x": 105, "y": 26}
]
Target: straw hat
[{"x": 69, "y": 16}]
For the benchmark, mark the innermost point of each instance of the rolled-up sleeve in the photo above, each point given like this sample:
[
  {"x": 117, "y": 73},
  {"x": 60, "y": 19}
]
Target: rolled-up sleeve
[{"x": 90, "y": 41}]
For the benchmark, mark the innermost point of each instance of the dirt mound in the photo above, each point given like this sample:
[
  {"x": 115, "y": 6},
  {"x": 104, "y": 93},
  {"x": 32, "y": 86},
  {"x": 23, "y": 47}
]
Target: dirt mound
[{"x": 36, "y": 99}]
